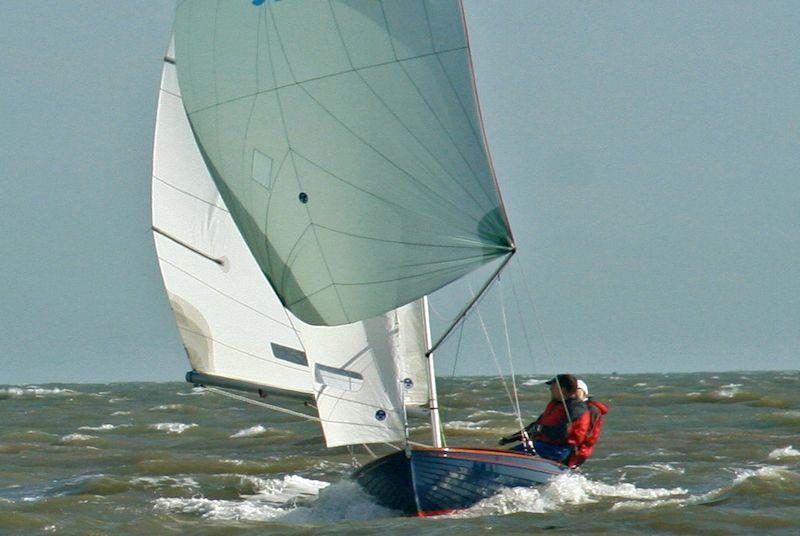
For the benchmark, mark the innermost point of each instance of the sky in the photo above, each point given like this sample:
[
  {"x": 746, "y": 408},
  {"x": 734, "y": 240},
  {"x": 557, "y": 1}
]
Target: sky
[{"x": 648, "y": 155}]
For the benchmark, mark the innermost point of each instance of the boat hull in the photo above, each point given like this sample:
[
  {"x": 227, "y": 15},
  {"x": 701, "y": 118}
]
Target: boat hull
[{"x": 435, "y": 481}]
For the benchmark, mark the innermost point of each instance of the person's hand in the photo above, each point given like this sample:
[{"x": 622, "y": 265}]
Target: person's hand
[{"x": 504, "y": 441}]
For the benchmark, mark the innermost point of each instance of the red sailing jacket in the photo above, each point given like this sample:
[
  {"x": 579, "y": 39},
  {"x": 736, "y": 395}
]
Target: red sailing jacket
[
  {"x": 555, "y": 428},
  {"x": 584, "y": 449}
]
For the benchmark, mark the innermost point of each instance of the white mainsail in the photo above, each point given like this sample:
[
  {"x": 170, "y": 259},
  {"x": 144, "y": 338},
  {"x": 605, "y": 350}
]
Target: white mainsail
[{"x": 232, "y": 324}]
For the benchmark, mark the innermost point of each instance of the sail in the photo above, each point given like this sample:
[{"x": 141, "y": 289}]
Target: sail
[
  {"x": 346, "y": 141},
  {"x": 232, "y": 325},
  {"x": 360, "y": 374}
]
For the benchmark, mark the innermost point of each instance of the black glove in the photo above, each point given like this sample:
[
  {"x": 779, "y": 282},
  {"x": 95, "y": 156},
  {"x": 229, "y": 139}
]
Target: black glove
[{"x": 505, "y": 441}]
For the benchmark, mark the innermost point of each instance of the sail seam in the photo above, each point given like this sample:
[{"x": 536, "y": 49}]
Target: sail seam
[
  {"x": 416, "y": 180},
  {"x": 236, "y": 349},
  {"x": 314, "y": 79},
  {"x": 385, "y": 200},
  {"x": 476, "y": 246},
  {"x": 209, "y": 203},
  {"x": 167, "y": 261},
  {"x": 294, "y": 166}
]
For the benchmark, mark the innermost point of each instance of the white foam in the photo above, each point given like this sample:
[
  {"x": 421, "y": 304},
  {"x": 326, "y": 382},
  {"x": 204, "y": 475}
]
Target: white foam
[
  {"x": 532, "y": 381},
  {"x": 289, "y": 500},
  {"x": 167, "y": 407},
  {"x": 99, "y": 428},
  {"x": 466, "y": 425},
  {"x": 33, "y": 391},
  {"x": 784, "y": 453},
  {"x": 565, "y": 490},
  {"x": 77, "y": 438},
  {"x": 121, "y": 413},
  {"x": 641, "y": 384},
  {"x": 172, "y": 427},
  {"x": 171, "y": 481},
  {"x": 728, "y": 391},
  {"x": 196, "y": 391},
  {"x": 250, "y": 432}
]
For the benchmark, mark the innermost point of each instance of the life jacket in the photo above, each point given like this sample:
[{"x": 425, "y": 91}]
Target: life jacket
[
  {"x": 553, "y": 425},
  {"x": 584, "y": 450}
]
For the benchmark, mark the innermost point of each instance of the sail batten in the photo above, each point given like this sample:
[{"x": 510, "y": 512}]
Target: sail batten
[{"x": 346, "y": 141}]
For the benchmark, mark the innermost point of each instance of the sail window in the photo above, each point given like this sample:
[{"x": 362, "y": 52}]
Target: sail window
[
  {"x": 261, "y": 170},
  {"x": 338, "y": 378},
  {"x": 289, "y": 354}
]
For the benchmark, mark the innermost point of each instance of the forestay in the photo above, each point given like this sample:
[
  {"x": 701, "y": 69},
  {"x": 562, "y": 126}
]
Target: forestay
[
  {"x": 232, "y": 324},
  {"x": 345, "y": 138}
]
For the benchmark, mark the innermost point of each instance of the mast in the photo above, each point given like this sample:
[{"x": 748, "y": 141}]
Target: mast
[{"x": 433, "y": 403}]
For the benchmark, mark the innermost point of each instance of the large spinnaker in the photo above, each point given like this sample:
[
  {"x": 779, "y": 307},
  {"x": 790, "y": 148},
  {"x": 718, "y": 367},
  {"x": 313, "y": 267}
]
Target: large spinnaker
[
  {"x": 233, "y": 327},
  {"x": 345, "y": 139}
]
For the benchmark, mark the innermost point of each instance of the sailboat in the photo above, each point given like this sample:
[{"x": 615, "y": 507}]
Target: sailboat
[{"x": 319, "y": 169}]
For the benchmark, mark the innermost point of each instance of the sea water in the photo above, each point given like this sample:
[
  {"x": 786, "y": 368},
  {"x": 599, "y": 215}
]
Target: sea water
[{"x": 681, "y": 454}]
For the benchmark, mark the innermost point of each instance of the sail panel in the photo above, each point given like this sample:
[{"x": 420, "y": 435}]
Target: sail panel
[
  {"x": 364, "y": 372},
  {"x": 232, "y": 324},
  {"x": 345, "y": 139}
]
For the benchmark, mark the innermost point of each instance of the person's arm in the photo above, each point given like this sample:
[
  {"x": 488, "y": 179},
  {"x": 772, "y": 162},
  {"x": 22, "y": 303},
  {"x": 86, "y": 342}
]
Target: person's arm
[{"x": 517, "y": 436}]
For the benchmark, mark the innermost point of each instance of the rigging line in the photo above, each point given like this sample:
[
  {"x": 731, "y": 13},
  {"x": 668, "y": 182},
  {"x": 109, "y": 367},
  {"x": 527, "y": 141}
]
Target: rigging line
[
  {"x": 544, "y": 339},
  {"x": 492, "y": 352},
  {"x": 261, "y": 313},
  {"x": 522, "y": 321},
  {"x": 262, "y": 404},
  {"x": 469, "y": 305},
  {"x": 458, "y": 349},
  {"x": 510, "y": 357}
]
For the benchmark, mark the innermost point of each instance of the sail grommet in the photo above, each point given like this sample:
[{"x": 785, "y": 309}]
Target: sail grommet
[
  {"x": 303, "y": 197},
  {"x": 380, "y": 415},
  {"x": 408, "y": 383}
]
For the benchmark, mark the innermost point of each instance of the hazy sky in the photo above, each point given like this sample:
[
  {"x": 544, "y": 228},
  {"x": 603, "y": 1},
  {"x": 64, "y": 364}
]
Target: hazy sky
[{"x": 648, "y": 153}]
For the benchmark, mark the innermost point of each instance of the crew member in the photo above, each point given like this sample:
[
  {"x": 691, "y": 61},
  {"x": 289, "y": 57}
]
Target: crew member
[
  {"x": 561, "y": 427},
  {"x": 597, "y": 410}
]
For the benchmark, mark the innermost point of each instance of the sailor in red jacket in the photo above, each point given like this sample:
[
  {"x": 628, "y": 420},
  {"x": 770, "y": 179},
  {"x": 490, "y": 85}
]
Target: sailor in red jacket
[
  {"x": 561, "y": 427},
  {"x": 596, "y": 412}
]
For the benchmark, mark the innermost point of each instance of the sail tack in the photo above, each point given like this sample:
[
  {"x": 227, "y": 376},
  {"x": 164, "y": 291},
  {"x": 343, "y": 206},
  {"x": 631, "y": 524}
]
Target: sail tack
[
  {"x": 346, "y": 142},
  {"x": 232, "y": 324}
]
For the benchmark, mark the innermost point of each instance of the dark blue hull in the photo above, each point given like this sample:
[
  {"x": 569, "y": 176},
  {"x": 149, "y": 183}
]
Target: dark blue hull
[{"x": 438, "y": 481}]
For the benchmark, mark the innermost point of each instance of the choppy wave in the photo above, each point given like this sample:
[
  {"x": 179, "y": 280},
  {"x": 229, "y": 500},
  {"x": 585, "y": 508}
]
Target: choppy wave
[
  {"x": 291, "y": 499},
  {"x": 77, "y": 438},
  {"x": 784, "y": 453},
  {"x": 34, "y": 391},
  {"x": 566, "y": 490},
  {"x": 250, "y": 432},
  {"x": 172, "y": 427},
  {"x": 102, "y": 427}
]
